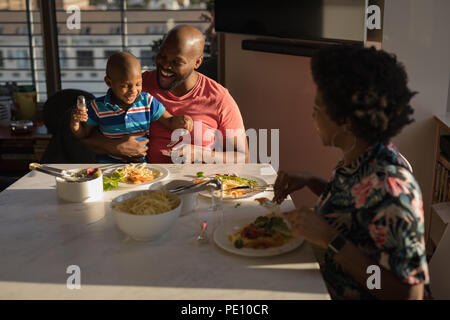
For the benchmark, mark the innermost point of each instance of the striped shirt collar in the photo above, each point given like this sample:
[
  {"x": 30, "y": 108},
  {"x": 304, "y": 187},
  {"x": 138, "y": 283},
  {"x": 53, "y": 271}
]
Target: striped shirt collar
[{"x": 107, "y": 100}]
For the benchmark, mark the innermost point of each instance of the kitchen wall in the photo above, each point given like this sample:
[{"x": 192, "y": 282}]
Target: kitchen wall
[
  {"x": 417, "y": 31},
  {"x": 276, "y": 91}
]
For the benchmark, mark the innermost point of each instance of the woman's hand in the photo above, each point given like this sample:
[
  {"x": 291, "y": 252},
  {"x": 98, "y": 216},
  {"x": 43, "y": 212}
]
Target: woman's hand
[
  {"x": 286, "y": 183},
  {"x": 305, "y": 223}
]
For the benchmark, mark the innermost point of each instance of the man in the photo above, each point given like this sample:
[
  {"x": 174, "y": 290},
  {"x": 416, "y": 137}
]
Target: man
[{"x": 182, "y": 90}]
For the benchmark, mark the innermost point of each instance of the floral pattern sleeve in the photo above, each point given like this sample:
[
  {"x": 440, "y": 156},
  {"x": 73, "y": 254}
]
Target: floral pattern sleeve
[{"x": 397, "y": 228}]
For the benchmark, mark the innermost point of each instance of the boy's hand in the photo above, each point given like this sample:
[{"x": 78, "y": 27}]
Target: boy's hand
[
  {"x": 183, "y": 122},
  {"x": 78, "y": 114}
]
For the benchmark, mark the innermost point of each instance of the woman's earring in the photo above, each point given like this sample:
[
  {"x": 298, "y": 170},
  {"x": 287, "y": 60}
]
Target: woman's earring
[
  {"x": 334, "y": 138},
  {"x": 352, "y": 147}
]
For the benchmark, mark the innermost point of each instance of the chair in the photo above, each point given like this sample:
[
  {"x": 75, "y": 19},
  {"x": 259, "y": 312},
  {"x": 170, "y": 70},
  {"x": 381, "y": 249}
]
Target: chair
[
  {"x": 63, "y": 146},
  {"x": 439, "y": 267}
]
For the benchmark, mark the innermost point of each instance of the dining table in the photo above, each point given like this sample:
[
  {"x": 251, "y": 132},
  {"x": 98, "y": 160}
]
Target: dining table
[{"x": 43, "y": 239}]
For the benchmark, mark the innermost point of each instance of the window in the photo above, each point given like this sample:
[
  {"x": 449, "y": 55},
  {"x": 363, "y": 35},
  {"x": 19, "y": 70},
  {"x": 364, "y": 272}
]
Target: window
[
  {"x": 63, "y": 59},
  {"x": 85, "y": 30},
  {"x": 85, "y": 58},
  {"x": 22, "y": 30},
  {"x": 16, "y": 47},
  {"x": 79, "y": 75},
  {"x": 23, "y": 61},
  {"x": 94, "y": 74},
  {"x": 155, "y": 29},
  {"x": 147, "y": 58},
  {"x": 115, "y": 30},
  {"x": 96, "y": 41},
  {"x": 109, "y": 53}
]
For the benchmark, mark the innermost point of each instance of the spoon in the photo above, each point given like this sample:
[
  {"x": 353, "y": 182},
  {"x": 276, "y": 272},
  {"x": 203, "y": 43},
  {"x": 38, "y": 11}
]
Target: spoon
[
  {"x": 34, "y": 165},
  {"x": 53, "y": 172}
]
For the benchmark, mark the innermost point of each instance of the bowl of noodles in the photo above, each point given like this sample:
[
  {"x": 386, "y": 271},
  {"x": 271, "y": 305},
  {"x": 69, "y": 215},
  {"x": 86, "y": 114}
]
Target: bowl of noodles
[{"x": 146, "y": 215}]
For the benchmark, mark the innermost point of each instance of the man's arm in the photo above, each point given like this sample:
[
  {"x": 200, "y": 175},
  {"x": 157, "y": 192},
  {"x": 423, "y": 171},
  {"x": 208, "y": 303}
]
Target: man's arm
[
  {"x": 176, "y": 122},
  {"x": 239, "y": 154},
  {"x": 235, "y": 146},
  {"x": 127, "y": 147}
]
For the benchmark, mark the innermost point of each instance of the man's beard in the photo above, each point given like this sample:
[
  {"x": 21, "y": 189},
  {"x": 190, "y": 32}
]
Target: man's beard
[{"x": 178, "y": 80}]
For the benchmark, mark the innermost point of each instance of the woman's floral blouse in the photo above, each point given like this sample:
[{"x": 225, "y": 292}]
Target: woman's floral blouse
[{"x": 376, "y": 203}]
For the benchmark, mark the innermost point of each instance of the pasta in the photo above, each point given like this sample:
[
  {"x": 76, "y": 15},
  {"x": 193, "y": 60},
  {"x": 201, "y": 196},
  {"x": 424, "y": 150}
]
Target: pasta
[
  {"x": 265, "y": 232},
  {"x": 155, "y": 202},
  {"x": 137, "y": 174}
]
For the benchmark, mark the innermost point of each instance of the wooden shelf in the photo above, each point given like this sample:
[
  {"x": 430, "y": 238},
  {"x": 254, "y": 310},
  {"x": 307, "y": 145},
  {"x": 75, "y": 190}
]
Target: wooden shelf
[
  {"x": 444, "y": 162},
  {"x": 18, "y": 150}
]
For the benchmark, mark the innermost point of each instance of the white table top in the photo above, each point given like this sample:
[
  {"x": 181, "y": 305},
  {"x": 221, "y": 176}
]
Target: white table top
[{"x": 40, "y": 236}]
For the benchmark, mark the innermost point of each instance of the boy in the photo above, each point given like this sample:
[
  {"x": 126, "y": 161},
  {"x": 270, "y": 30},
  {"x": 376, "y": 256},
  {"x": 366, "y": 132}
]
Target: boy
[{"x": 125, "y": 109}]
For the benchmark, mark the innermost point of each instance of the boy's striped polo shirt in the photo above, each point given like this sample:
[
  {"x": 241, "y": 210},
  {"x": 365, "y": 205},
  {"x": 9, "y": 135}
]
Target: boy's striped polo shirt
[{"x": 114, "y": 122}]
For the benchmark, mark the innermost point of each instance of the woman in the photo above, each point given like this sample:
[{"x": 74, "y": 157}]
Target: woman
[{"x": 370, "y": 212}]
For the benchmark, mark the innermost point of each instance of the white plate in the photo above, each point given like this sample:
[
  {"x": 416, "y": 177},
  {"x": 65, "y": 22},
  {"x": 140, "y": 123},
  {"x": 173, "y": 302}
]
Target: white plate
[
  {"x": 221, "y": 239},
  {"x": 164, "y": 173},
  {"x": 260, "y": 182}
]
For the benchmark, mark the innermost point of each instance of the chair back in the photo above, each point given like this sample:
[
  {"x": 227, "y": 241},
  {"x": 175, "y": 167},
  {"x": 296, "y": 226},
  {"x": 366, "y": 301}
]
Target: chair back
[
  {"x": 439, "y": 268},
  {"x": 63, "y": 146}
]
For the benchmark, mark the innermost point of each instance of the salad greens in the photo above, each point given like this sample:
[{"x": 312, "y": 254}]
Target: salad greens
[
  {"x": 200, "y": 174},
  {"x": 89, "y": 173},
  {"x": 276, "y": 224},
  {"x": 239, "y": 244},
  {"x": 112, "y": 181}
]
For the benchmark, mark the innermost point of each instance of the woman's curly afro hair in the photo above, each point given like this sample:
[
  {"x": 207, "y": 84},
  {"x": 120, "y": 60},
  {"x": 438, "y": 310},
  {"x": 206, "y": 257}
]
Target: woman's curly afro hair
[{"x": 366, "y": 86}]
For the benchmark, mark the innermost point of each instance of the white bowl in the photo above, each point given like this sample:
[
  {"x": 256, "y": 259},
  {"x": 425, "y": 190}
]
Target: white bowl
[
  {"x": 189, "y": 200},
  {"x": 82, "y": 191},
  {"x": 144, "y": 227}
]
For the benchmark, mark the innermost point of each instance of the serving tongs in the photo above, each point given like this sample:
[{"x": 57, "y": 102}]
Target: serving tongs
[
  {"x": 252, "y": 188},
  {"x": 213, "y": 184},
  {"x": 56, "y": 172}
]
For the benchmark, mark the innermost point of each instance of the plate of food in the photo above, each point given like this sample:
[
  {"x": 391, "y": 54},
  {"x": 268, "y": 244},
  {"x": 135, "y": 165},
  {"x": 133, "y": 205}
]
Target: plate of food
[
  {"x": 260, "y": 236},
  {"x": 132, "y": 175},
  {"x": 236, "y": 187}
]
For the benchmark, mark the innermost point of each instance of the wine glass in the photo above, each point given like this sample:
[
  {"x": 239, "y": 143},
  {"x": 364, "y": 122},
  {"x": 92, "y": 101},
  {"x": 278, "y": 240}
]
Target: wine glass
[{"x": 209, "y": 219}]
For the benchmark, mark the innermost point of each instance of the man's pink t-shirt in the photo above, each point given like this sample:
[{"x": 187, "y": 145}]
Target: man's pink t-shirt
[{"x": 208, "y": 103}]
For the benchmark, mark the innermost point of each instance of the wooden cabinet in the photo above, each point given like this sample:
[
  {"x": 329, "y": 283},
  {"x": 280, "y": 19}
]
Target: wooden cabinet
[
  {"x": 441, "y": 185},
  {"x": 18, "y": 150}
]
